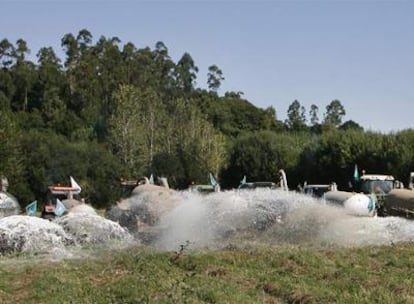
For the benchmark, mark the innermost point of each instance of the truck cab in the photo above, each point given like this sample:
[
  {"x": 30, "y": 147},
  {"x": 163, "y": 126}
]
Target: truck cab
[{"x": 375, "y": 183}]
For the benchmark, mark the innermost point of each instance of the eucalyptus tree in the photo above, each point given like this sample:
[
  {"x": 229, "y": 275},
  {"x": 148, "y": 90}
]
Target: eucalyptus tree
[
  {"x": 162, "y": 68},
  {"x": 214, "y": 78},
  {"x": 186, "y": 73},
  {"x": 24, "y": 75},
  {"x": 128, "y": 56},
  {"x": 7, "y": 86},
  {"x": 296, "y": 117},
  {"x": 314, "y": 115},
  {"x": 84, "y": 87},
  {"x": 21, "y": 51},
  {"x": 6, "y": 53},
  {"x": 335, "y": 111},
  {"x": 50, "y": 81},
  {"x": 71, "y": 48},
  {"x": 84, "y": 40},
  {"x": 109, "y": 75},
  {"x": 77, "y": 50},
  {"x": 49, "y": 68}
]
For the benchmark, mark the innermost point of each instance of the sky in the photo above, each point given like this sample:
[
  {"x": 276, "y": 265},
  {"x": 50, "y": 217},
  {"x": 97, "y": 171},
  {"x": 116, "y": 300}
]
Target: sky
[{"x": 358, "y": 52}]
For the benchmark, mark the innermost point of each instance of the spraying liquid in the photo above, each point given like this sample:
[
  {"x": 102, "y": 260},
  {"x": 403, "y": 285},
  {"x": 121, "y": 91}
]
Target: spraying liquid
[
  {"x": 270, "y": 216},
  {"x": 166, "y": 222},
  {"x": 60, "y": 237}
]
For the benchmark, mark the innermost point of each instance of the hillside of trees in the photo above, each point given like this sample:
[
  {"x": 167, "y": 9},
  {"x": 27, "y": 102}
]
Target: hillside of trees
[{"x": 109, "y": 110}]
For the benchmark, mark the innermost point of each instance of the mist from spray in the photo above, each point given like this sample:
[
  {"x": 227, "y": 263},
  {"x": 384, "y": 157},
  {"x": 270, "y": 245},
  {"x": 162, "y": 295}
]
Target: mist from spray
[
  {"x": 87, "y": 228},
  {"x": 272, "y": 217},
  {"x": 213, "y": 220},
  {"x": 21, "y": 233},
  {"x": 61, "y": 237},
  {"x": 167, "y": 222}
]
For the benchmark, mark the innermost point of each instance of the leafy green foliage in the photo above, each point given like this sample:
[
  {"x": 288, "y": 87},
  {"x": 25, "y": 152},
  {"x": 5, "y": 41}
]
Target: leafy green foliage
[
  {"x": 108, "y": 110},
  {"x": 261, "y": 155}
]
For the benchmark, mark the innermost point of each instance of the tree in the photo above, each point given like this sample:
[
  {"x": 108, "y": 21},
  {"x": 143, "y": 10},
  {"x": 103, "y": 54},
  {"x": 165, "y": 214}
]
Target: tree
[
  {"x": 50, "y": 76},
  {"x": 270, "y": 121},
  {"x": 7, "y": 88},
  {"x": 163, "y": 68},
  {"x": 313, "y": 114},
  {"x": 126, "y": 129},
  {"x": 351, "y": 125},
  {"x": 296, "y": 120},
  {"x": 6, "y": 53},
  {"x": 260, "y": 156},
  {"x": 11, "y": 150},
  {"x": 21, "y": 51},
  {"x": 24, "y": 75},
  {"x": 70, "y": 46},
  {"x": 84, "y": 40},
  {"x": 186, "y": 72},
  {"x": 214, "y": 78},
  {"x": 334, "y": 113}
]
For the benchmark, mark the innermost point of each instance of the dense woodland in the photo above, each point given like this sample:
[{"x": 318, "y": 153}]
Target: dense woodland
[{"x": 110, "y": 110}]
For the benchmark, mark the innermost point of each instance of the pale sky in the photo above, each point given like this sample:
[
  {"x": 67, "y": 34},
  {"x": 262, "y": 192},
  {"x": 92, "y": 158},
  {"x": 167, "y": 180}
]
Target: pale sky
[{"x": 359, "y": 52}]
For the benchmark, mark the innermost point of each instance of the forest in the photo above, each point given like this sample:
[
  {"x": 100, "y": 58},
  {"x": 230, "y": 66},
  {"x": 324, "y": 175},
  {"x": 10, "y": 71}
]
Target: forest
[{"x": 109, "y": 110}]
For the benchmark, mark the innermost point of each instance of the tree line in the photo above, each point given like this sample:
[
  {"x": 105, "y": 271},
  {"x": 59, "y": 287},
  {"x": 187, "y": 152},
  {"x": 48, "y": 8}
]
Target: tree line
[{"x": 109, "y": 110}]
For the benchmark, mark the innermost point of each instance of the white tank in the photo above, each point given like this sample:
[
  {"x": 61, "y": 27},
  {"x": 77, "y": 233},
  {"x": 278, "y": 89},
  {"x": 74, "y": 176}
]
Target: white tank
[
  {"x": 355, "y": 203},
  {"x": 361, "y": 204},
  {"x": 337, "y": 197}
]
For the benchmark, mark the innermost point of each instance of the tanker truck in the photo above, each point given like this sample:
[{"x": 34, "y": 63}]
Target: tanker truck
[
  {"x": 392, "y": 199},
  {"x": 400, "y": 201}
]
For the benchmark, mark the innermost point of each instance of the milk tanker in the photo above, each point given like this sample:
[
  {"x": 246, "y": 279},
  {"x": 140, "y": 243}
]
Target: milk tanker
[
  {"x": 376, "y": 194},
  {"x": 391, "y": 196},
  {"x": 355, "y": 203},
  {"x": 399, "y": 201}
]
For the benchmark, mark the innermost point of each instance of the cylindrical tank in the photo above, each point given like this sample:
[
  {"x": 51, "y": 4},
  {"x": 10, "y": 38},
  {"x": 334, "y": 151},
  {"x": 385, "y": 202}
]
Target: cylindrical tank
[
  {"x": 361, "y": 204},
  {"x": 400, "y": 202},
  {"x": 355, "y": 203},
  {"x": 337, "y": 197}
]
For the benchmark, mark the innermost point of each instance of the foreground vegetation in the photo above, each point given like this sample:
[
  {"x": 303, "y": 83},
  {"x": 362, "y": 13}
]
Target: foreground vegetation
[{"x": 235, "y": 274}]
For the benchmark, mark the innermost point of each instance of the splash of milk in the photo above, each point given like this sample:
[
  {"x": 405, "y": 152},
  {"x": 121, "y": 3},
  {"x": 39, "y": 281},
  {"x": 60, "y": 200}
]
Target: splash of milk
[
  {"x": 61, "y": 236},
  {"x": 274, "y": 217},
  {"x": 88, "y": 228},
  {"x": 21, "y": 233},
  {"x": 205, "y": 220}
]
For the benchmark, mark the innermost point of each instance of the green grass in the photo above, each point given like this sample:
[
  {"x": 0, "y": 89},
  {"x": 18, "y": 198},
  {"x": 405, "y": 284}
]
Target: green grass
[{"x": 237, "y": 274}]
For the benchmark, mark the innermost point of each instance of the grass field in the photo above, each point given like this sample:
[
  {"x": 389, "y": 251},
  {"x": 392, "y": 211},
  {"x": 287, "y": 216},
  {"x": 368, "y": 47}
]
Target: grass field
[{"x": 238, "y": 273}]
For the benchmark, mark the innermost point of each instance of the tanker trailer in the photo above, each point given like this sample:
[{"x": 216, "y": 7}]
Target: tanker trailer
[
  {"x": 399, "y": 202},
  {"x": 355, "y": 203}
]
